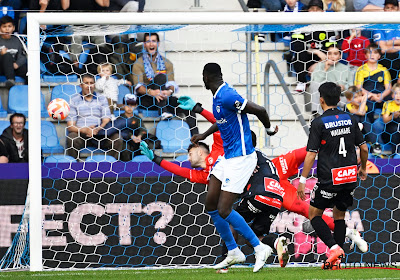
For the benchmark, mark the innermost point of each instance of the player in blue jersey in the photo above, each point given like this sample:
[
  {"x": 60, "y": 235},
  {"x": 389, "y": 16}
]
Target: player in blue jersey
[{"x": 232, "y": 171}]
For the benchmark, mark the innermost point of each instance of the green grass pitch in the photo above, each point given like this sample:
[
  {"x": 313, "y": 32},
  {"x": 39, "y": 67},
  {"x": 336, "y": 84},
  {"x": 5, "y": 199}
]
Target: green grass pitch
[{"x": 206, "y": 274}]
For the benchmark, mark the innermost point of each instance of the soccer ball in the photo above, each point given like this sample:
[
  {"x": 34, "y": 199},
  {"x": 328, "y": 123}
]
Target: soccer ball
[{"x": 58, "y": 109}]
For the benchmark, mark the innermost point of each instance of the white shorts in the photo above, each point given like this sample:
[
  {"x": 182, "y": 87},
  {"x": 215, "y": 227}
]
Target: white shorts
[{"x": 234, "y": 173}]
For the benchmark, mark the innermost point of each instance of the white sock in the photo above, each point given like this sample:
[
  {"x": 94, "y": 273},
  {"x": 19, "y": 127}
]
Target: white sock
[{"x": 235, "y": 251}]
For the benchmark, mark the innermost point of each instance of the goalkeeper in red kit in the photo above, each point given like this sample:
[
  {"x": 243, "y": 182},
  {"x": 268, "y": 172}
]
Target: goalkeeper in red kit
[{"x": 286, "y": 165}]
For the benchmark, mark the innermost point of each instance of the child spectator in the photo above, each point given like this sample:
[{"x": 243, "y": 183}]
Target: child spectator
[
  {"x": 12, "y": 56},
  {"x": 293, "y": 6},
  {"x": 374, "y": 81},
  {"x": 356, "y": 105},
  {"x": 108, "y": 85},
  {"x": 354, "y": 46},
  {"x": 391, "y": 117},
  {"x": 334, "y": 5},
  {"x": 329, "y": 70}
]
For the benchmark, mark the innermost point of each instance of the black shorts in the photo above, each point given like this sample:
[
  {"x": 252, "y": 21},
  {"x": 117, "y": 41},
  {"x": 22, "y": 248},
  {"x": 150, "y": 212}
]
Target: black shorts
[
  {"x": 260, "y": 214},
  {"x": 323, "y": 199}
]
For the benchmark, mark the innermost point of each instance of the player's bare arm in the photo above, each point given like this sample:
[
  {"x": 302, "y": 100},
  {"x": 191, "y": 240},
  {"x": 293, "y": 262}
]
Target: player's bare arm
[
  {"x": 262, "y": 115},
  {"x": 198, "y": 137},
  {"x": 362, "y": 171}
]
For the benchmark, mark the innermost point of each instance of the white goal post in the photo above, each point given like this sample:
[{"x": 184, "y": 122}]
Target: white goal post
[{"x": 34, "y": 20}]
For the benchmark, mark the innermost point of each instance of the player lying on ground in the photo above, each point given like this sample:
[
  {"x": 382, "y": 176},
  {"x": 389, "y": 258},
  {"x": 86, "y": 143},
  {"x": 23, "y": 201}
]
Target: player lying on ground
[
  {"x": 287, "y": 166},
  {"x": 333, "y": 136}
]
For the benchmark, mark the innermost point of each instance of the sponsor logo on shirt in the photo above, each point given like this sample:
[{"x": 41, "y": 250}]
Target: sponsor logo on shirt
[
  {"x": 221, "y": 121},
  {"x": 337, "y": 121},
  {"x": 218, "y": 109},
  {"x": 238, "y": 104},
  {"x": 344, "y": 175},
  {"x": 273, "y": 186},
  {"x": 284, "y": 166}
]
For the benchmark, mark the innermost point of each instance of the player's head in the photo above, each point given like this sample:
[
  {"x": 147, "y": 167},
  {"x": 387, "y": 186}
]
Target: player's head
[
  {"x": 197, "y": 154},
  {"x": 373, "y": 53},
  {"x": 396, "y": 93},
  {"x": 211, "y": 73},
  {"x": 329, "y": 94},
  {"x": 105, "y": 68},
  {"x": 353, "y": 95},
  {"x": 391, "y": 6},
  {"x": 151, "y": 41}
]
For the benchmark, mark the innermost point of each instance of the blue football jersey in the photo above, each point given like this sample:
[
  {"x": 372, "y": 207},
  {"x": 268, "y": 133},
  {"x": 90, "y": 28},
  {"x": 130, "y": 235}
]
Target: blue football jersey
[{"x": 232, "y": 124}]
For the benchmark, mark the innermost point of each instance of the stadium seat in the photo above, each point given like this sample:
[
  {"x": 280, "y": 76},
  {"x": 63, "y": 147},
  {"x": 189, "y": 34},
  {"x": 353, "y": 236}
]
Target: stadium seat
[
  {"x": 141, "y": 158},
  {"x": 147, "y": 113},
  {"x": 18, "y": 101},
  {"x": 65, "y": 92},
  {"x": 174, "y": 135},
  {"x": 18, "y": 79},
  {"x": 100, "y": 158},
  {"x": 3, "y": 126},
  {"x": 122, "y": 91},
  {"x": 50, "y": 142},
  {"x": 182, "y": 158},
  {"x": 3, "y": 113},
  {"x": 7, "y": 11},
  {"x": 59, "y": 158},
  {"x": 52, "y": 78}
]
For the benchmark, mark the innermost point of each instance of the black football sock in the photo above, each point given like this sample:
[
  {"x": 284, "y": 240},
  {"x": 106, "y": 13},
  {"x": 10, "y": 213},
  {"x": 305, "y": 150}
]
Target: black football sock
[
  {"x": 269, "y": 240},
  {"x": 322, "y": 230},
  {"x": 339, "y": 234}
]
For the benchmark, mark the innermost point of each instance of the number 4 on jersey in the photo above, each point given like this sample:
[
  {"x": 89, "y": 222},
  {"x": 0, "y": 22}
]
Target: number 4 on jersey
[{"x": 342, "y": 147}]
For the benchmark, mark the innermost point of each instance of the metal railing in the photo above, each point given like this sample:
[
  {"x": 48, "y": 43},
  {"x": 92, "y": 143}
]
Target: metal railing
[{"x": 289, "y": 95}]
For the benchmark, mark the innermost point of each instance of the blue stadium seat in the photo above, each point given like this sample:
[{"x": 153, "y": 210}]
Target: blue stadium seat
[
  {"x": 65, "y": 92},
  {"x": 147, "y": 113},
  {"x": 3, "y": 113},
  {"x": 18, "y": 79},
  {"x": 122, "y": 91},
  {"x": 141, "y": 158},
  {"x": 174, "y": 135},
  {"x": 22, "y": 25},
  {"x": 18, "y": 101},
  {"x": 3, "y": 126},
  {"x": 50, "y": 142},
  {"x": 101, "y": 158},
  {"x": 7, "y": 11},
  {"x": 59, "y": 158},
  {"x": 182, "y": 158},
  {"x": 52, "y": 78}
]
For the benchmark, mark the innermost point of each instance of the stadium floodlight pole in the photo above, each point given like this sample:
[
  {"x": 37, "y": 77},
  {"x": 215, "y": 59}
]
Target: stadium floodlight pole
[{"x": 34, "y": 20}]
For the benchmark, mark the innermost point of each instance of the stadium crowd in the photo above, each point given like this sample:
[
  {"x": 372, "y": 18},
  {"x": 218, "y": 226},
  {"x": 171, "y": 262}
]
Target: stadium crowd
[{"x": 364, "y": 63}]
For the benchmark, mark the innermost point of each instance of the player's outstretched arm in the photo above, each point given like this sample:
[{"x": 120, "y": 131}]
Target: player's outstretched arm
[
  {"x": 262, "y": 115},
  {"x": 308, "y": 163},
  {"x": 198, "y": 137},
  {"x": 187, "y": 103},
  {"x": 169, "y": 166}
]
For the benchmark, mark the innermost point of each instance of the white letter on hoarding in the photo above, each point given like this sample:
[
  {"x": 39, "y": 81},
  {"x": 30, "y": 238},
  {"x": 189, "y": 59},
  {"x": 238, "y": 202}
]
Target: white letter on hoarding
[
  {"x": 74, "y": 224},
  {"x": 56, "y": 209},
  {"x": 7, "y": 228}
]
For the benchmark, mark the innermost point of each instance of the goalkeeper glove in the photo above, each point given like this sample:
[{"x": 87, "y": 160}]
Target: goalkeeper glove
[
  {"x": 144, "y": 150},
  {"x": 187, "y": 103},
  {"x": 271, "y": 131}
]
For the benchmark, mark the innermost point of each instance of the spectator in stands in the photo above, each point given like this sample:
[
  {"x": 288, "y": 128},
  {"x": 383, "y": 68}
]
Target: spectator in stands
[
  {"x": 334, "y": 5},
  {"x": 389, "y": 43},
  {"x": 89, "y": 114},
  {"x": 12, "y": 55},
  {"x": 133, "y": 130},
  {"x": 308, "y": 48},
  {"x": 153, "y": 77},
  {"x": 108, "y": 85},
  {"x": 374, "y": 81},
  {"x": 329, "y": 70},
  {"x": 391, "y": 117},
  {"x": 293, "y": 6},
  {"x": 354, "y": 46},
  {"x": 14, "y": 141},
  {"x": 273, "y": 5},
  {"x": 368, "y": 5},
  {"x": 357, "y": 105},
  {"x": 84, "y": 6},
  {"x": 127, "y": 5},
  {"x": 45, "y": 5}
]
